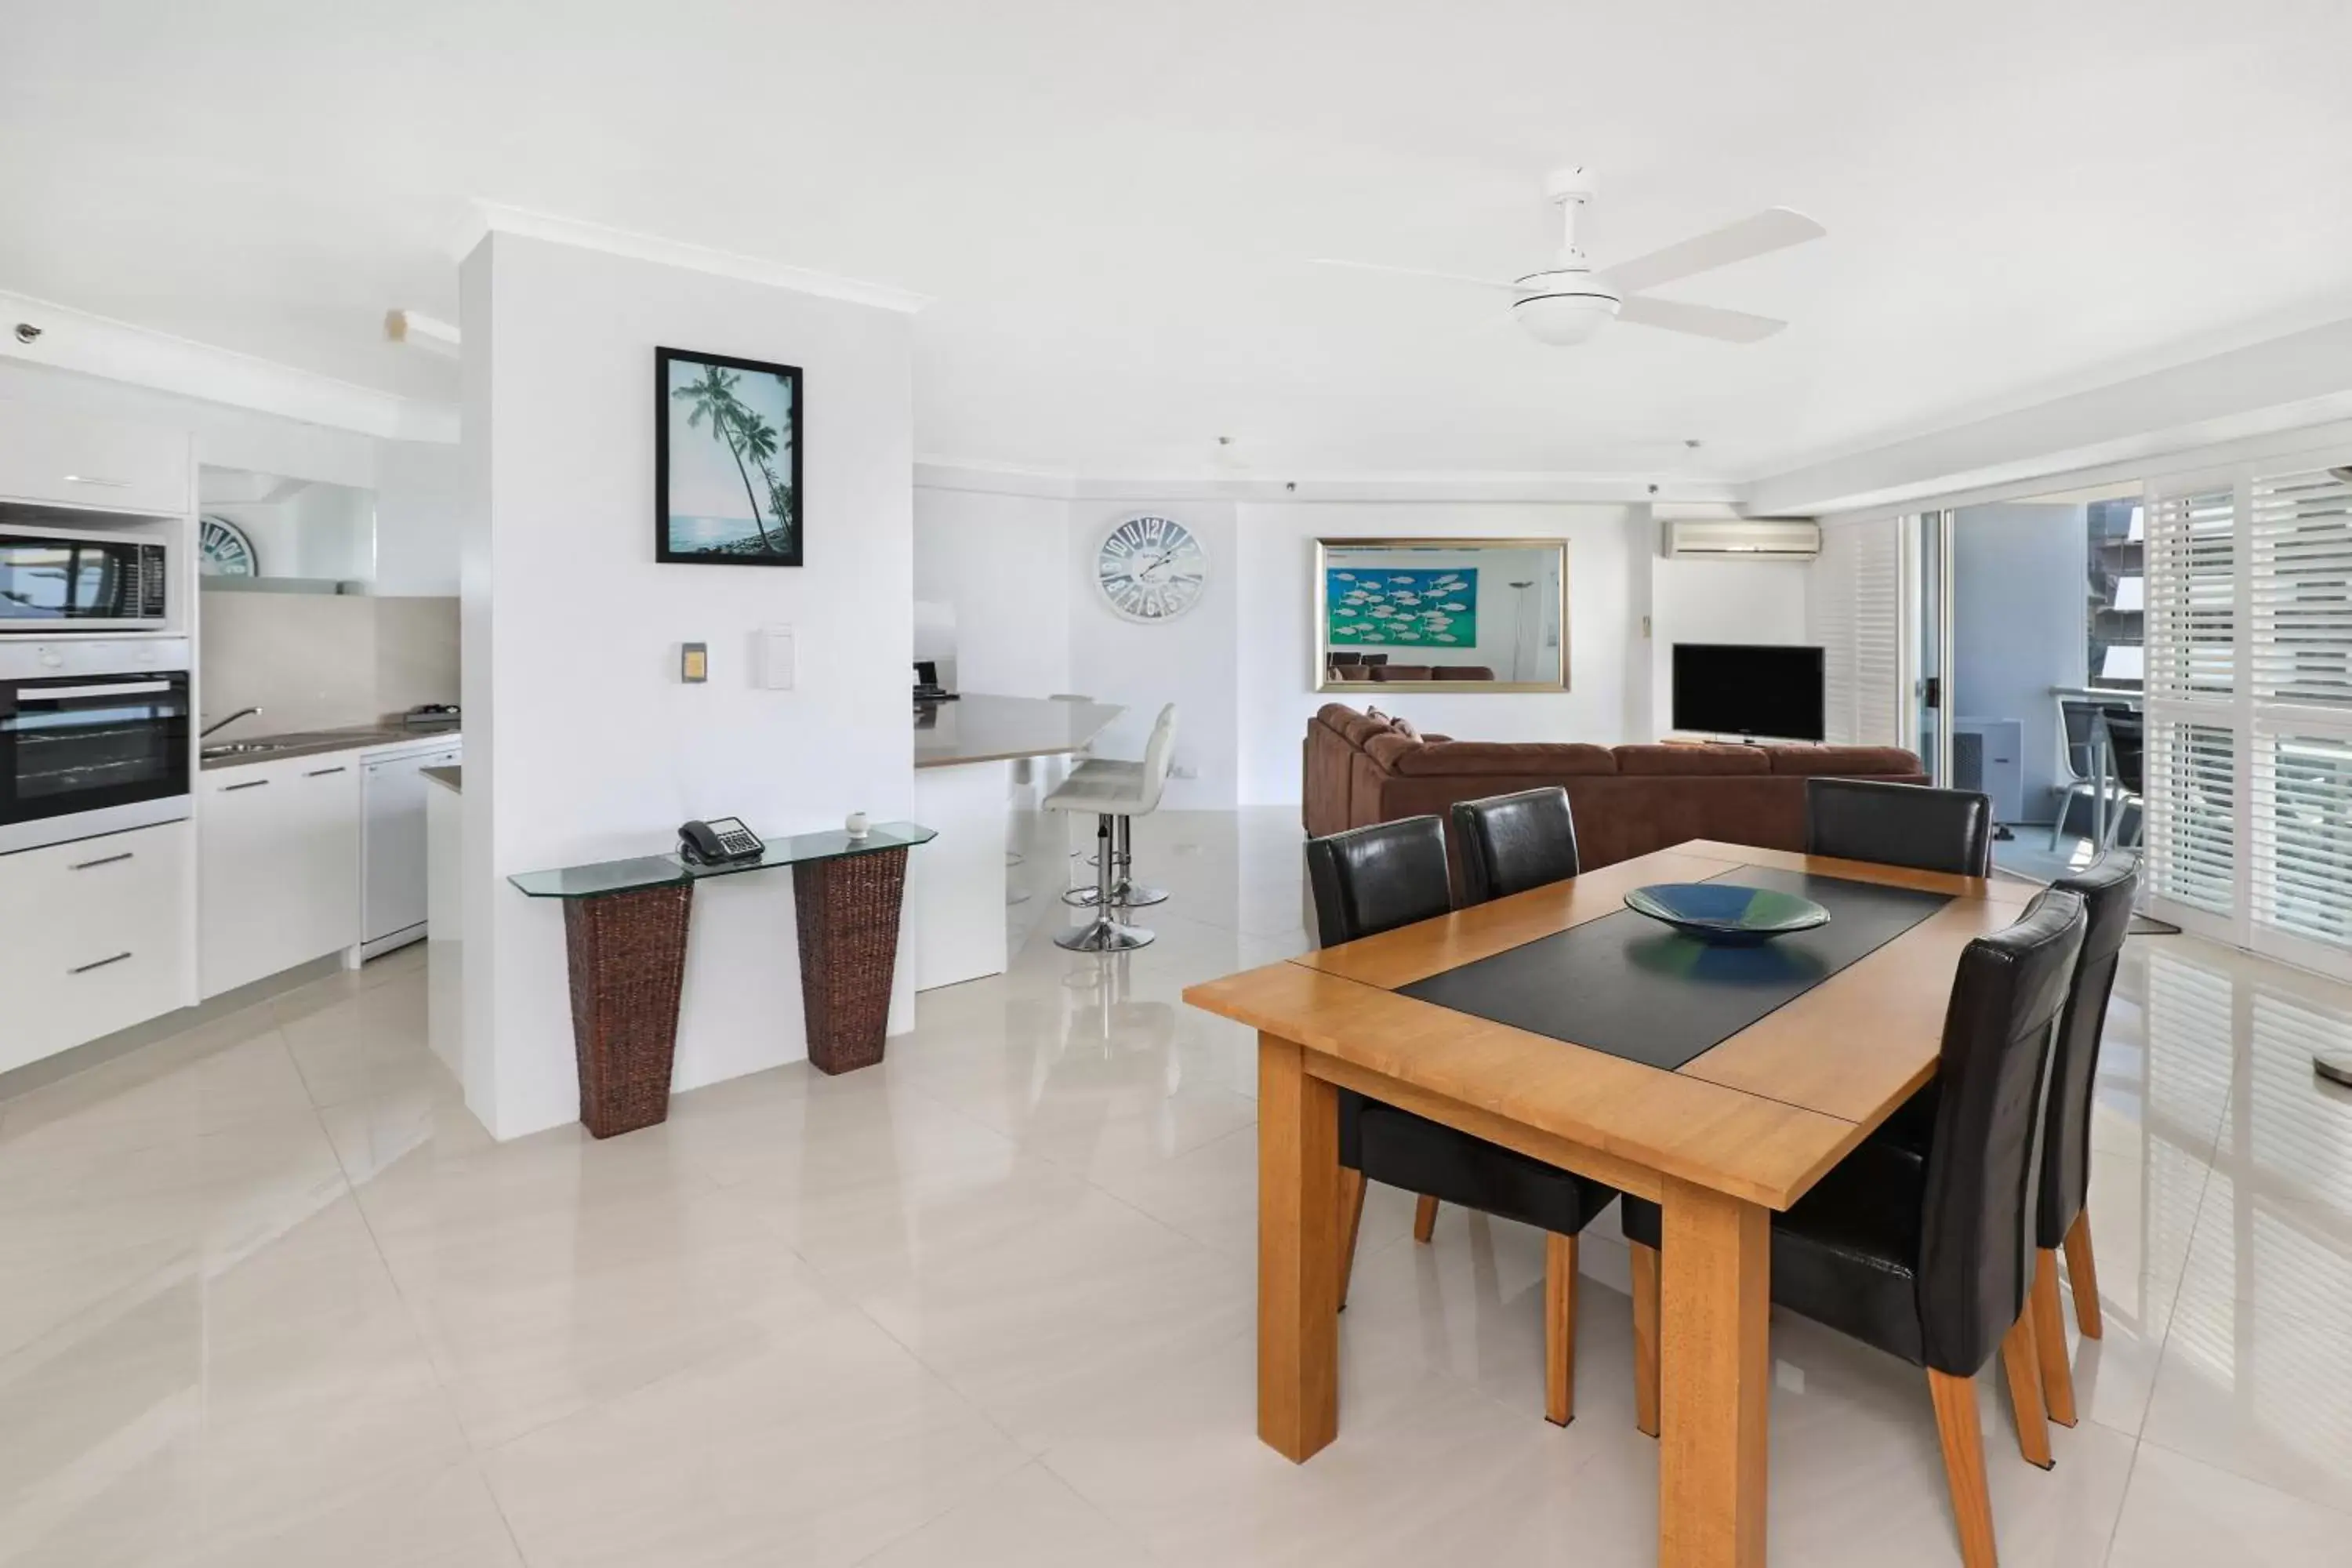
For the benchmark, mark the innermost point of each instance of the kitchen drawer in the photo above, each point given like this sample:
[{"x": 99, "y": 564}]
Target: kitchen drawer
[
  {"x": 47, "y": 455},
  {"x": 97, "y": 938}
]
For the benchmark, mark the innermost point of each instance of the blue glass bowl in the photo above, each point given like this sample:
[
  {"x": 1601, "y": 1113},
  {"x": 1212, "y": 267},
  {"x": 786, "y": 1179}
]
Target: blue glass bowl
[{"x": 1725, "y": 913}]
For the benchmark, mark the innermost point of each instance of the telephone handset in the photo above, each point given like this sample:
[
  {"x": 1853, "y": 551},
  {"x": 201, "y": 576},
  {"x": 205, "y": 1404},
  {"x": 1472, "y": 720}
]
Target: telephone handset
[{"x": 721, "y": 841}]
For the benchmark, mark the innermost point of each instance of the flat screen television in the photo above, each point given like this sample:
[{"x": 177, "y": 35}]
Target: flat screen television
[{"x": 1742, "y": 689}]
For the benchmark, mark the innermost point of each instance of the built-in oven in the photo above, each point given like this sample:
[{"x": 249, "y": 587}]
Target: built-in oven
[
  {"x": 57, "y": 579},
  {"x": 93, "y": 738}
]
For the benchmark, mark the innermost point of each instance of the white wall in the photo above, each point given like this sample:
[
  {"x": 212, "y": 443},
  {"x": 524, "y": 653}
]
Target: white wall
[
  {"x": 420, "y": 509},
  {"x": 581, "y": 743},
  {"x": 1191, "y": 661},
  {"x": 1274, "y": 653},
  {"x": 1001, "y": 562},
  {"x": 1718, "y": 602}
]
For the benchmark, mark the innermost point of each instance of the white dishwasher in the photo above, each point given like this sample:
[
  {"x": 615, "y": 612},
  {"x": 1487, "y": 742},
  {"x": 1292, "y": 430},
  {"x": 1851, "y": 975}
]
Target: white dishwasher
[{"x": 393, "y": 802}]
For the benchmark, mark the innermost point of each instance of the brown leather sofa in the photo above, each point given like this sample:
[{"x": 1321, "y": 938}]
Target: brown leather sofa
[{"x": 1363, "y": 768}]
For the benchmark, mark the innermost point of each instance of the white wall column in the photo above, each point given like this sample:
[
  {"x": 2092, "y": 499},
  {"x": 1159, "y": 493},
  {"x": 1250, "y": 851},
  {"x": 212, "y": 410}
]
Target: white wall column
[{"x": 581, "y": 744}]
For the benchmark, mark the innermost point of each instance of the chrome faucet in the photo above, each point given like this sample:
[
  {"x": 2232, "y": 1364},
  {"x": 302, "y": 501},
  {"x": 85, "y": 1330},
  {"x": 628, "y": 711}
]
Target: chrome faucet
[{"x": 224, "y": 723}]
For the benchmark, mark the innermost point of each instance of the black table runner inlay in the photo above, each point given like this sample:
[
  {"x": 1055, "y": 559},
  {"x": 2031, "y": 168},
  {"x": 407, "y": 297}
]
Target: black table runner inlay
[{"x": 1628, "y": 985}]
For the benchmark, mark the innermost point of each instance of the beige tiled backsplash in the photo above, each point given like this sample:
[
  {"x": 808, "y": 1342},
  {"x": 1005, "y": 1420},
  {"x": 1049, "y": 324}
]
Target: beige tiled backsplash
[{"x": 316, "y": 660}]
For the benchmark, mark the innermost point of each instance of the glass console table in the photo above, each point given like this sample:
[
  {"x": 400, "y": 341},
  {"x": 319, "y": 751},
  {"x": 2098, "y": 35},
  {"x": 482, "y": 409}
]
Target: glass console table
[{"x": 625, "y": 925}]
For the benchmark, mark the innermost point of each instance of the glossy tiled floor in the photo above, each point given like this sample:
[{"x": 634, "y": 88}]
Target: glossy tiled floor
[{"x": 269, "y": 1296}]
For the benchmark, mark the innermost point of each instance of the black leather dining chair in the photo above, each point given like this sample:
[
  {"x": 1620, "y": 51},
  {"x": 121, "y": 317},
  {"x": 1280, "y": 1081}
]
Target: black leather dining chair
[
  {"x": 1929, "y": 1254},
  {"x": 2108, "y": 888},
  {"x": 2062, "y": 1217},
  {"x": 1510, "y": 842},
  {"x": 1368, "y": 880},
  {"x": 1900, "y": 824}
]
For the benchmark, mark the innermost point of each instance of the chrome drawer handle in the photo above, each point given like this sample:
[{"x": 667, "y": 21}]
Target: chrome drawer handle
[
  {"x": 109, "y": 860},
  {"x": 102, "y": 963},
  {"x": 323, "y": 772},
  {"x": 249, "y": 783},
  {"x": 94, "y": 479}
]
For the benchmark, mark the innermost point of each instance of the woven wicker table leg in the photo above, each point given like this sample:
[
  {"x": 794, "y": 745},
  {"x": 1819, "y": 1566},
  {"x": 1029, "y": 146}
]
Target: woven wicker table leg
[
  {"x": 848, "y": 918},
  {"x": 627, "y": 959}
]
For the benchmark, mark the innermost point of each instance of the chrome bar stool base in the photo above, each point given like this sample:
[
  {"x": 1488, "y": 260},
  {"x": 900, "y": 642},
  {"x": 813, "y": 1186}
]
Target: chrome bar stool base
[{"x": 1104, "y": 936}]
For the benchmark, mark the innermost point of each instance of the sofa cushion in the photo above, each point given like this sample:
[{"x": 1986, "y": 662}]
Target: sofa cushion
[
  {"x": 1362, "y": 727},
  {"x": 1509, "y": 758},
  {"x": 1335, "y": 716},
  {"x": 1386, "y": 750},
  {"x": 1864, "y": 762},
  {"x": 1687, "y": 760},
  {"x": 1404, "y": 727}
]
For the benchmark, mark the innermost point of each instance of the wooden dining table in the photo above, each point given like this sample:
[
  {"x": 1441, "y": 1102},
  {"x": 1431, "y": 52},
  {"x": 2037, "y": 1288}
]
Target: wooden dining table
[{"x": 1722, "y": 1141}]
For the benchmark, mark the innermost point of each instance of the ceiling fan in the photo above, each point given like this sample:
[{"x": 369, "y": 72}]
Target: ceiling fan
[{"x": 1569, "y": 302}]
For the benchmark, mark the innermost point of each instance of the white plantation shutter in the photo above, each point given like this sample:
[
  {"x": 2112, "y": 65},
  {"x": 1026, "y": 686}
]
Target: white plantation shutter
[
  {"x": 2301, "y": 590},
  {"x": 2192, "y": 821},
  {"x": 2248, "y": 706},
  {"x": 2300, "y": 664},
  {"x": 2192, "y": 594},
  {"x": 1877, "y": 637},
  {"x": 1854, "y": 610},
  {"x": 2193, "y": 722},
  {"x": 2302, "y": 836}
]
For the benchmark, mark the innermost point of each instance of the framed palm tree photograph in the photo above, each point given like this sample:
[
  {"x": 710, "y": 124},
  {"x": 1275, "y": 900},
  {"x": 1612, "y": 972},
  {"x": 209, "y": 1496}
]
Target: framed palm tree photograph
[{"x": 727, "y": 460}]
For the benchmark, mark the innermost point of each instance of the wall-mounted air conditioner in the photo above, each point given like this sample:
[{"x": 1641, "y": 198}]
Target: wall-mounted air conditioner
[{"x": 1743, "y": 538}]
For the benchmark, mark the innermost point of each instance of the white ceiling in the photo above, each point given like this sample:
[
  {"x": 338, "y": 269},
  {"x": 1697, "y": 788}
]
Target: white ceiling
[{"x": 1112, "y": 202}]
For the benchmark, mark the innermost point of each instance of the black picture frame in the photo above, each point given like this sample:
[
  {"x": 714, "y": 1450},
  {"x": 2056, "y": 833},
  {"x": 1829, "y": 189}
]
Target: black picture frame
[{"x": 770, "y": 478}]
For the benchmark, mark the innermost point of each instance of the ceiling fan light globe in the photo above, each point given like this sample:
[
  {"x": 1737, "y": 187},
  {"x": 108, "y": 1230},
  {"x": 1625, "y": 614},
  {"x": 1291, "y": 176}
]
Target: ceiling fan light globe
[{"x": 1563, "y": 318}]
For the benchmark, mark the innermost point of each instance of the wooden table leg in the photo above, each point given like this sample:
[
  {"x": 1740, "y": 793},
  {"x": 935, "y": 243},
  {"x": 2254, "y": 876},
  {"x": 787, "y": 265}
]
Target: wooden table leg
[
  {"x": 1297, "y": 1237},
  {"x": 1715, "y": 1379}
]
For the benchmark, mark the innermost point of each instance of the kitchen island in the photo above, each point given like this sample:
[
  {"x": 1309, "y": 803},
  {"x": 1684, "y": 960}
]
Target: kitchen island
[{"x": 964, "y": 752}]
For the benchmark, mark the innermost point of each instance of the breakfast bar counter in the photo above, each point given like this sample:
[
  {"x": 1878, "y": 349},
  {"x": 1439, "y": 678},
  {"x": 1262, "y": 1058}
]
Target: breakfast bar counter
[{"x": 964, "y": 752}]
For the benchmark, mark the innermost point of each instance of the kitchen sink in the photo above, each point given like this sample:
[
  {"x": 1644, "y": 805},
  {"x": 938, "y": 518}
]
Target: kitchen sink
[{"x": 243, "y": 747}]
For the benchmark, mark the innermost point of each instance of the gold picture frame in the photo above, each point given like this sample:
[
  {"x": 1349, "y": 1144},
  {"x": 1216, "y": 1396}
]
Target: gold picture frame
[{"x": 1429, "y": 603}]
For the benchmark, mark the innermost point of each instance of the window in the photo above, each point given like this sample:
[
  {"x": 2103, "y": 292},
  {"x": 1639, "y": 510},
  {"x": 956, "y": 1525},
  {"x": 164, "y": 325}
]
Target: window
[{"x": 2117, "y": 593}]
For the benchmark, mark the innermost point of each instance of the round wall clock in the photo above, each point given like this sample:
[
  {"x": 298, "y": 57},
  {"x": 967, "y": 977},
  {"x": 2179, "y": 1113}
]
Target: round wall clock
[
  {"x": 224, "y": 550},
  {"x": 1150, "y": 569}
]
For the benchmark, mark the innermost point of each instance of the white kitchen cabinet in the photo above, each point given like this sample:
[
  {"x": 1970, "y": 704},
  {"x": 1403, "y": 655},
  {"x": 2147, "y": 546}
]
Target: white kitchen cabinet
[
  {"x": 279, "y": 865},
  {"x": 51, "y": 454},
  {"x": 93, "y": 938}
]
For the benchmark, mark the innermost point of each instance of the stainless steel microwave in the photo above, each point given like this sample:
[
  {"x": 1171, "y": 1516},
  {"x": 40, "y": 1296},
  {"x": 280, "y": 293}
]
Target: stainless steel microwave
[{"x": 68, "y": 580}]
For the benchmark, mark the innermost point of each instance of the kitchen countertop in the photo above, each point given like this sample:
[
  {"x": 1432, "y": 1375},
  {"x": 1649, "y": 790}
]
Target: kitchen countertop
[
  {"x": 979, "y": 728},
  {"x": 451, "y": 778},
  {"x": 316, "y": 743}
]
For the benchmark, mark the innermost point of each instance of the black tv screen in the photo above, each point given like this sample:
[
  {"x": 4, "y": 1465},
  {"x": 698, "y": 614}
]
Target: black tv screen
[{"x": 1741, "y": 688}]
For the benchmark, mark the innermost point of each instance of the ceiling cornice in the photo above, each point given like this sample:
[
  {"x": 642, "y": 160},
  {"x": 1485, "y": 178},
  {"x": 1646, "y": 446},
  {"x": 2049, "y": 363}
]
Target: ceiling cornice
[
  {"x": 492, "y": 217},
  {"x": 76, "y": 341}
]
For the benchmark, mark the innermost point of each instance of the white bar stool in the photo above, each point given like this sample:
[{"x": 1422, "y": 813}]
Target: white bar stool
[{"x": 1116, "y": 796}]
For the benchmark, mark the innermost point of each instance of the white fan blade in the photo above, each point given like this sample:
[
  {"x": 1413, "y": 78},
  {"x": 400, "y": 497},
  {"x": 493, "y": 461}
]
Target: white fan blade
[
  {"x": 1774, "y": 228},
  {"x": 1702, "y": 321},
  {"x": 1416, "y": 272}
]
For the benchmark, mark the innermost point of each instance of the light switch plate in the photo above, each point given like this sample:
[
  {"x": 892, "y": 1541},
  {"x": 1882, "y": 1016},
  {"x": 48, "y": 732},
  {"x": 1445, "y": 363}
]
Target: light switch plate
[
  {"x": 775, "y": 659},
  {"x": 693, "y": 663}
]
